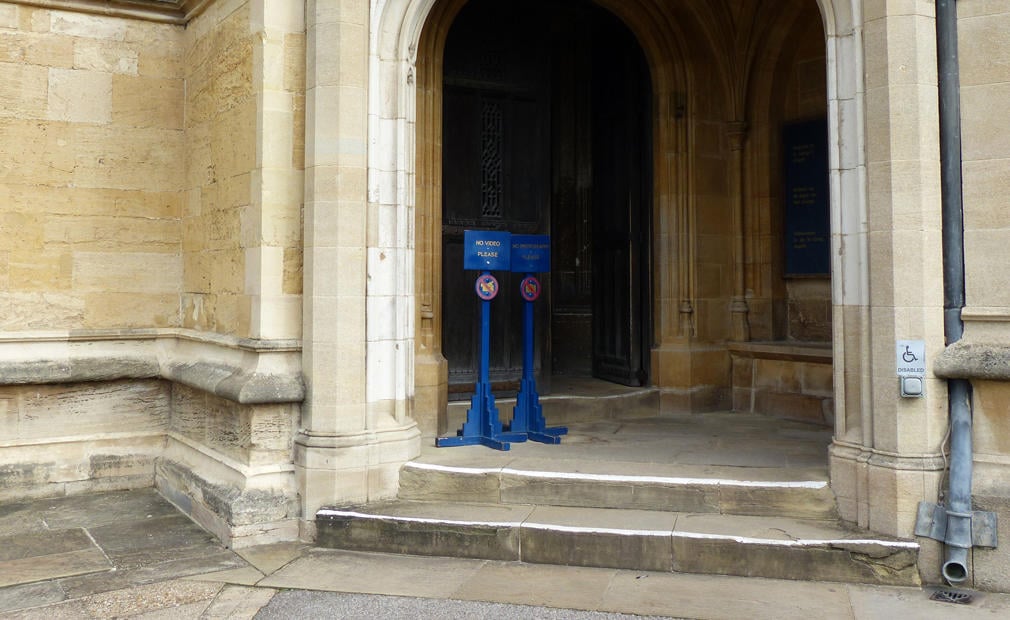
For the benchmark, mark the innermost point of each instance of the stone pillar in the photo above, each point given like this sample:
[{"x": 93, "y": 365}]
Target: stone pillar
[
  {"x": 737, "y": 133},
  {"x": 271, "y": 229},
  {"x": 353, "y": 438},
  {"x": 886, "y": 454}
]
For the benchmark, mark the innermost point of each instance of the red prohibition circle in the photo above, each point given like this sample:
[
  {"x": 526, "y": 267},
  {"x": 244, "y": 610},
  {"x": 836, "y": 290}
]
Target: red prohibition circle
[
  {"x": 486, "y": 287},
  {"x": 529, "y": 288}
]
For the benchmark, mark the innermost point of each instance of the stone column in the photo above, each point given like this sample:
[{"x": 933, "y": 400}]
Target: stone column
[
  {"x": 737, "y": 133},
  {"x": 271, "y": 229},
  {"x": 349, "y": 449},
  {"x": 886, "y": 454}
]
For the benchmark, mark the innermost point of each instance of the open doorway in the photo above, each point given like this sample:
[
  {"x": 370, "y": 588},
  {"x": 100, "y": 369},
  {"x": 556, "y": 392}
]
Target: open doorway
[{"x": 547, "y": 130}]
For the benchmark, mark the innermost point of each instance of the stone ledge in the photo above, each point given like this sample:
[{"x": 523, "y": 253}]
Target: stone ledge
[
  {"x": 165, "y": 11},
  {"x": 972, "y": 360},
  {"x": 791, "y": 351},
  {"x": 245, "y": 371}
]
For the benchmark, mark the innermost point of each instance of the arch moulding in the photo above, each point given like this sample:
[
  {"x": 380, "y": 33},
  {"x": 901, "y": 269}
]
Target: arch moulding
[{"x": 406, "y": 38}]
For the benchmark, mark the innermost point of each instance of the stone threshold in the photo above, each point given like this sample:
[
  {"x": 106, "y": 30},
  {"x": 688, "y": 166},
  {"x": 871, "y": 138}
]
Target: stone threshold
[
  {"x": 643, "y": 486},
  {"x": 771, "y": 547}
]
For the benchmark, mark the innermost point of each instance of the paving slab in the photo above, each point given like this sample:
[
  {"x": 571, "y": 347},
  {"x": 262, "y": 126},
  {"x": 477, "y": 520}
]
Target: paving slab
[
  {"x": 30, "y": 595},
  {"x": 169, "y": 599},
  {"x": 212, "y": 562},
  {"x": 37, "y": 556},
  {"x": 244, "y": 576},
  {"x": 135, "y": 543},
  {"x": 570, "y": 587},
  {"x": 20, "y": 518},
  {"x": 879, "y": 603},
  {"x": 97, "y": 509},
  {"x": 269, "y": 558},
  {"x": 237, "y": 602},
  {"x": 725, "y": 598},
  {"x": 374, "y": 573}
]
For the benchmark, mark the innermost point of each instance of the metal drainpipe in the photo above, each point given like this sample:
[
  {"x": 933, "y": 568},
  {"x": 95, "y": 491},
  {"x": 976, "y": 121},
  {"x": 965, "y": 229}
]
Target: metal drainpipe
[{"x": 958, "y": 539}]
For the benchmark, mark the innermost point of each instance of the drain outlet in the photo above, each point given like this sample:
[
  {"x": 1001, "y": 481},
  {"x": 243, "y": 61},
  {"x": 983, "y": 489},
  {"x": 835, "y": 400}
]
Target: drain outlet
[{"x": 951, "y": 596}]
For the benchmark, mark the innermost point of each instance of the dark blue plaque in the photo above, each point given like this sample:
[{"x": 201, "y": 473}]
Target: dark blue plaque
[
  {"x": 807, "y": 220},
  {"x": 531, "y": 253},
  {"x": 486, "y": 250}
]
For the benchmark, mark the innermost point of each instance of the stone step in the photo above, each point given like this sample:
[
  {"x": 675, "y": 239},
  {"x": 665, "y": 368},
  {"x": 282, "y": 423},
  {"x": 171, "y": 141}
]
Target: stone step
[
  {"x": 566, "y": 407},
  {"x": 772, "y": 547},
  {"x": 799, "y": 493}
]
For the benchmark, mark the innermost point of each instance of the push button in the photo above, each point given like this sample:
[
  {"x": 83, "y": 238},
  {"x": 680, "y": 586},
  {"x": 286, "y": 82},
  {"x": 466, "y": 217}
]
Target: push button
[{"x": 911, "y": 387}]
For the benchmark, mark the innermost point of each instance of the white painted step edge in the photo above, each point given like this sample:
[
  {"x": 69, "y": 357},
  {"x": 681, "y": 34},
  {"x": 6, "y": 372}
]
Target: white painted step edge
[
  {"x": 621, "y": 478},
  {"x": 812, "y": 542}
]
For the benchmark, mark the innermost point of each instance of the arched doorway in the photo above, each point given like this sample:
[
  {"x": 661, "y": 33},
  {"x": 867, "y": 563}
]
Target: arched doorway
[
  {"x": 546, "y": 130},
  {"x": 715, "y": 243},
  {"x": 692, "y": 91}
]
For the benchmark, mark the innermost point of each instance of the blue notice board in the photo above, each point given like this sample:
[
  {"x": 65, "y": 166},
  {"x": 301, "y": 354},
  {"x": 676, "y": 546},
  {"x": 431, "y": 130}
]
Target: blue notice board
[
  {"x": 531, "y": 253},
  {"x": 807, "y": 221},
  {"x": 486, "y": 250}
]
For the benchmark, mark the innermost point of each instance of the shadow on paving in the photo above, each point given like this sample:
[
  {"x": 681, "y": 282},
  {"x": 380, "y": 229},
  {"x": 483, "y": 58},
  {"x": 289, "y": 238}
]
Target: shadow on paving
[{"x": 58, "y": 549}]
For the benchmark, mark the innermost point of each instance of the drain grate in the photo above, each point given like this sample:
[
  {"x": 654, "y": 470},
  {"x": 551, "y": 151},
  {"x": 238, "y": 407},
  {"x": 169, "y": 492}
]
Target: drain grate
[{"x": 951, "y": 596}]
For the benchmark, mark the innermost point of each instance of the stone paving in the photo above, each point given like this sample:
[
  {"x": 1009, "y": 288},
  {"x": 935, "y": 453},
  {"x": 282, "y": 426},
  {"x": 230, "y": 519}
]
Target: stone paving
[{"x": 131, "y": 554}]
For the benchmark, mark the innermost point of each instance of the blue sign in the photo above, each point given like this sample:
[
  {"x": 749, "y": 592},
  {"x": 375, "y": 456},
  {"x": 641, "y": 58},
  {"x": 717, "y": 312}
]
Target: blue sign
[
  {"x": 486, "y": 250},
  {"x": 531, "y": 253},
  {"x": 807, "y": 220}
]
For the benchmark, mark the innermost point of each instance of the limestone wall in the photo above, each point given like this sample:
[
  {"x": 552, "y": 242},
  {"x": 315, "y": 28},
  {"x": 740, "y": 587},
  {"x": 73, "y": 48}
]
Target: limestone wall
[
  {"x": 150, "y": 261},
  {"x": 984, "y": 33},
  {"x": 241, "y": 221},
  {"x": 75, "y": 438},
  {"x": 91, "y": 164},
  {"x": 984, "y": 42}
]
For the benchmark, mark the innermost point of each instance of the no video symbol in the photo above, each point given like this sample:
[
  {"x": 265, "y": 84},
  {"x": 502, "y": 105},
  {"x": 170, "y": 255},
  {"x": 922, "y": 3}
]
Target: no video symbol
[{"x": 486, "y": 287}]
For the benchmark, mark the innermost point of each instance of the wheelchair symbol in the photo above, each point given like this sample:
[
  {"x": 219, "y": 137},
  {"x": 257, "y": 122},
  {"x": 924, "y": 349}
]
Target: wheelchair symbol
[{"x": 908, "y": 356}]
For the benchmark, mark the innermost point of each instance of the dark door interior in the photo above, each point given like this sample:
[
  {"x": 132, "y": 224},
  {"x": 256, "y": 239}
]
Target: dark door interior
[
  {"x": 622, "y": 186},
  {"x": 545, "y": 131}
]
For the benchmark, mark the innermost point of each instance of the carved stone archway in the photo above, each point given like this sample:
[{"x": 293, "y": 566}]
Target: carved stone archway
[{"x": 404, "y": 107}]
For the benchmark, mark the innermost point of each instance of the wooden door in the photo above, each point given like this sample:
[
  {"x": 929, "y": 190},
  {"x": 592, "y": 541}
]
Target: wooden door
[
  {"x": 495, "y": 176},
  {"x": 546, "y": 128},
  {"x": 621, "y": 196}
]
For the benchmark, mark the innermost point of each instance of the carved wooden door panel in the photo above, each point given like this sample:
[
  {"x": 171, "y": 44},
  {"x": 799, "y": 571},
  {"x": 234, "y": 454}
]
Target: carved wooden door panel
[
  {"x": 546, "y": 130},
  {"x": 495, "y": 175}
]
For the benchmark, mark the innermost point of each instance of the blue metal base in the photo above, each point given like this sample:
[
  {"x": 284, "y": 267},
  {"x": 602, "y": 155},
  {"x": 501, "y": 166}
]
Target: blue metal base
[
  {"x": 482, "y": 426},
  {"x": 528, "y": 416},
  {"x": 550, "y": 435},
  {"x": 447, "y": 442}
]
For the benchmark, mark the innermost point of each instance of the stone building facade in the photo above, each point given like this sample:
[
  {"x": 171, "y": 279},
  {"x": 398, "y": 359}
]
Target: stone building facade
[{"x": 222, "y": 248}]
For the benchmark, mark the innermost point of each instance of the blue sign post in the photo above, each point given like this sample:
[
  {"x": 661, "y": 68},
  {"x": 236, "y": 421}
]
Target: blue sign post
[
  {"x": 486, "y": 251},
  {"x": 531, "y": 254}
]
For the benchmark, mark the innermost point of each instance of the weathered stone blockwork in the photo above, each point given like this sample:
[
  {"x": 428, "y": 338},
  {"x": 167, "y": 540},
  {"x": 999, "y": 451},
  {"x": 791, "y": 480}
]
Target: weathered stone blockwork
[
  {"x": 244, "y": 73},
  {"x": 90, "y": 436},
  {"x": 91, "y": 168},
  {"x": 150, "y": 178},
  {"x": 788, "y": 381}
]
